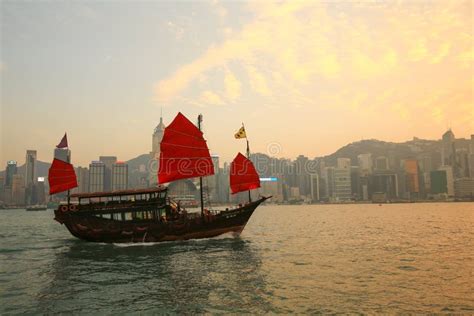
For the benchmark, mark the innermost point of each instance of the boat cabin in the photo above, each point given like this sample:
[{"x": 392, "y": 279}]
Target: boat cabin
[{"x": 140, "y": 204}]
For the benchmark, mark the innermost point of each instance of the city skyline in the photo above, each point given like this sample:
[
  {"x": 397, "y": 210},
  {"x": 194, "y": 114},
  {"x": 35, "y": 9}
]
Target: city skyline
[
  {"x": 308, "y": 76},
  {"x": 272, "y": 150}
]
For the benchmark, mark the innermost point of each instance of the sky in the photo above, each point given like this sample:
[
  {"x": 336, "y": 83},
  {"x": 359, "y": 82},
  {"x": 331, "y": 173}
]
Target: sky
[{"x": 305, "y": 77}]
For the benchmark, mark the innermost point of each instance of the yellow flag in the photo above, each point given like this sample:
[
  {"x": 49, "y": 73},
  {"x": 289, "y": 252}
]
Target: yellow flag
[{"x": 241, "y": 133}]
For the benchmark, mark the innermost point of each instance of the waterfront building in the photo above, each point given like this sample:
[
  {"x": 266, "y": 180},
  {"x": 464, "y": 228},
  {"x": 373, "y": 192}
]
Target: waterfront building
[
  {"x": 119, "y": 176},
  {"x": 464, "y": 188},
  {"x": 449, "y": 179},
  {"x": 471, "y": 165},
  {"x": 30, "y": 167},
  {"x": 271, "y": 186},
  {"x": 62, "y": 154},
  {"x": 108, "y": 162},
  {"x": 96, "y": 176},
  {"x": 344, "y": 163},
  {"x": 40, "y": 191},
  {"x": 438, "y": 182},
  {"x": 355, "y": 182},
  {"x": 82, "y": 174},
  {"x": 448, "y": 148},
  {"x": 385, "y": 182},
  {"x": 10, "y": 172},
  {"x": 330, "y": 182},
  {"x": 412, "y": 178},
  {"x": 295, "y": 193},
  {"x": 314, "y": 187},
  {"x": 381, "y": 163},
  {"x": 462, "y": 163},
  {"x": 155, "y": 153},
  {"x": 302, "y": 175},
  {"x": 365, "y": 163},
  {"x": 18, "y": 190},
  {"x": 342, "y": 180}
]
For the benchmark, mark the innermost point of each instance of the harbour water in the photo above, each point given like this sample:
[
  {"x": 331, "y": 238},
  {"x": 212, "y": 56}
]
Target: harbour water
[{"x": 394, "y": 258}]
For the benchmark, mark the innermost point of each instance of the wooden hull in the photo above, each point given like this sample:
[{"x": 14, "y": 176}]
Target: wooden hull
[{"x": 96, "y": 229}]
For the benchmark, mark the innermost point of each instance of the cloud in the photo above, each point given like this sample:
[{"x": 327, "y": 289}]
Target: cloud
[
  {"x": 232, "y": 86},
  {"x": 311, "y": 54},
  {"x": 211, "y": 98}
]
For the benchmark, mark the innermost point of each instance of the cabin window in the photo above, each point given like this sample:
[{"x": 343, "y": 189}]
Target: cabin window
[{"x": 107, "y": 216}]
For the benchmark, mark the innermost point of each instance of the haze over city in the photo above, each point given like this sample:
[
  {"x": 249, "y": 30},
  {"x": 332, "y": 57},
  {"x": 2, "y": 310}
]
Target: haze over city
[{"x": 309, "y": 76}]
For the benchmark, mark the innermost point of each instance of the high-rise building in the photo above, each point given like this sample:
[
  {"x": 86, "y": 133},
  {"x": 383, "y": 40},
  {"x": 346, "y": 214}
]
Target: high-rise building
[
  {"x": 449, "y": 179},
  {"x": 302, "y": 175},
  {"x": 82, "y": 180},
  {"x": 18, "y": 190},
  {"x": 330, "y": 182},
  {"x": 411, "y": 178},
  {"x": 342, "y": 184},
  {"x": 96, "y": 176},
  {"x": 40, "y": 191},
  {"x": 464, "y": 188},
  {"x": 63, "y": 154},
  {"x": 119, "y": 176},
  {"x": 365, "y": 163},
  {"x": 314, "y": 187},
  {"x": 30, "y": 167},
  {"x": 448, "y": 148},
  {"x": 385, "y": 182},
  {"x": 462, "y": 163},
  {"x": 344, "y": 163},
  {"x": 10, "y": 172},
  {"x": 381, "y": 163},
  {"x": 438, "y": 182},
  {"x": 155, "y": 153},
  {"x": 108, "y": 162}
]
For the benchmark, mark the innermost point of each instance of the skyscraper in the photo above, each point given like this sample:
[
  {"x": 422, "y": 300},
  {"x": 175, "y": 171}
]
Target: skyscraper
[
  {"x": 30, "y": 167},
  {"x": 10, "y": 172},
  {"x": 96, "y": 176},
  {"x": 342, "y": 180},
  {"x": 119, "y": 176},
  {"x": 448, "y": 151},
  {"x": 411, "y": 177},
  {"x": 155, "y": 153},
  {"x": 108, "y": 162},
  {"x": 365, "y": 163}
]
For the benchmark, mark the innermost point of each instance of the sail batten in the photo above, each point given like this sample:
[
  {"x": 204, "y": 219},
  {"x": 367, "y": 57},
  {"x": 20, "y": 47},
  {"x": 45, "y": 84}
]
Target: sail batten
[
  {"x": 183, "y": 152},
  {"x": 243, "y": 175}
]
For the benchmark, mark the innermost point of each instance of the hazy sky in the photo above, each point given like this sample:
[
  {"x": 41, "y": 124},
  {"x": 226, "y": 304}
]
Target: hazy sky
[{"x": 305, "y": 77}]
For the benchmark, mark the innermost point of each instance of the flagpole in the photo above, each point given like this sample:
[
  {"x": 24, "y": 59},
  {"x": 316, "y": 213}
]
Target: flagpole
[{"x": 248, "y": 155}]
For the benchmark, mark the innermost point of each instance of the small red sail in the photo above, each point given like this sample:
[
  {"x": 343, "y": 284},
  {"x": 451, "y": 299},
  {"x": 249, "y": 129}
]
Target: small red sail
[
  {"x": 243, "y": 176},
  {"x": 183, "y": 152},
  {"x": 61, "y": 177},
  {"x": 63, "y": 142}
]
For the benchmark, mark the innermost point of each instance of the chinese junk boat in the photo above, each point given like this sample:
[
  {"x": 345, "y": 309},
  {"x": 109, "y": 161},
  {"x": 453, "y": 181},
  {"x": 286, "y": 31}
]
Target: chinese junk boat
[{"x": 148, "y": 215}]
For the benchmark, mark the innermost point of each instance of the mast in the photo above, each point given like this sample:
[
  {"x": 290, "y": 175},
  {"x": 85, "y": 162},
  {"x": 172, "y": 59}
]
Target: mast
[
  {"x": 248, "y": 157},
  {"x": 200, "y": 178}
]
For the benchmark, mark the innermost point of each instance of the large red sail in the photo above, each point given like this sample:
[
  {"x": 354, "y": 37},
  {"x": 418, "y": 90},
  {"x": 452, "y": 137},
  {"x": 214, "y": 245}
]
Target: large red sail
[
  {"x": 243, "y": 176},
  {"x": 183, "y": 152},
  {"x": 61, "y": 177}
]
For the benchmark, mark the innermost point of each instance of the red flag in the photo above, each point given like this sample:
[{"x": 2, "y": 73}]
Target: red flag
[{"x": 63, "y": 142}]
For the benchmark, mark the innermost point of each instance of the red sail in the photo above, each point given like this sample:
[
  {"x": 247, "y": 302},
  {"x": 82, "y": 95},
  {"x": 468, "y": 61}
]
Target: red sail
[
  {"x": 61, "y": 177},
  {"x": 183, "y": 152},
  {"x": 243, "y": 176}
]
